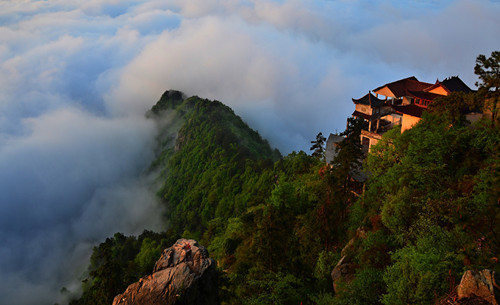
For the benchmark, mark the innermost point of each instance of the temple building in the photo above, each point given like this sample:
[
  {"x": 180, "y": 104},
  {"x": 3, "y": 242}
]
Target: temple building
[{"x": 399, "y": 103}]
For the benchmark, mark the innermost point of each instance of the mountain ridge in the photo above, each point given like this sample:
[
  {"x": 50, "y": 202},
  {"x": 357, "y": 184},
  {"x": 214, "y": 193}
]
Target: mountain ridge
[{"x": 277, "y": 228}]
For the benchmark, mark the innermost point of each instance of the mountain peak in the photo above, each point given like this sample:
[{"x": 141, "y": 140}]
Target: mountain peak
[{"x": 170, "y": 99}]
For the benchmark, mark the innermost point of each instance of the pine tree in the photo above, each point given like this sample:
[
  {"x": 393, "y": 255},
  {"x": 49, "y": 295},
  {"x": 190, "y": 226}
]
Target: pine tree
[
  {"x": 488, "y": 71},
  {"x": 318, "y": 146}
]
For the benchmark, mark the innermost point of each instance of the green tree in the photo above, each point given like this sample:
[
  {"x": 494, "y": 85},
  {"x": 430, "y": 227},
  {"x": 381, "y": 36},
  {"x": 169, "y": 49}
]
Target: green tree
[
  {"x": 118, "y": 262},
  {"x": 318, "y": 146},
  {"x": 452, "y": 108},
  {"x": 425, "y": 270},
  {"x": 365, "y": 289},
  {"x": 488, "y": 71},
  {"x": 148, "y": 255},
  {"x": 344, "y": 174},
  {"x": 347, "y": 163}
]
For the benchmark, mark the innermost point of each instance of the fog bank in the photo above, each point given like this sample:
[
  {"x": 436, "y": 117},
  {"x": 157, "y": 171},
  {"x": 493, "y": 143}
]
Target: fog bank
[{"x": 76, "y": 78}]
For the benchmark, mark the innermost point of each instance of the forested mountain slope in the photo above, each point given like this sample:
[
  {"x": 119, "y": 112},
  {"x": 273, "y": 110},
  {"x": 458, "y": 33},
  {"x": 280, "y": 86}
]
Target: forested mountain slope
[
  {"x": 277, "y": 226},
  {"x": 206, "y": 174}
]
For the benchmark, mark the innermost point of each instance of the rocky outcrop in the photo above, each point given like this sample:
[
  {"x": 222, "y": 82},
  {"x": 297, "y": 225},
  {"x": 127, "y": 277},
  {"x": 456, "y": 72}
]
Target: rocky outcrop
[
  {"x": 343, "y": 272},
  {"x": 345, "y": 269},
  {"x": 184, "y": 274},
  {"x": 481, "y": 285}
]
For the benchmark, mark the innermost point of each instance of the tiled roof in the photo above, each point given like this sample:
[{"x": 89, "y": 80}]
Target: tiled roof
[
  {"x": 424, "y": 95},
  {"x": 412, "y": 110},
  {"x": 401, "y": 87},
  {"x": 361, "y": 115},
  {"x": 451, "y": 84},
  {"x": 369, "y": 99},
  {"x": 454, "y": 84}
]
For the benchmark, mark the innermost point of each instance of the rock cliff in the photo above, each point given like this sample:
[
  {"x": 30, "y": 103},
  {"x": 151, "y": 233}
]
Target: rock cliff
[{"x": 184, "y": 274}]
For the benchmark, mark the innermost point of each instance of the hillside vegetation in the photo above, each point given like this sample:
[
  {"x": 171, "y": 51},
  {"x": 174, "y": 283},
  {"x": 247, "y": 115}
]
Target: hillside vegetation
[{"x": 277, "y": 225}]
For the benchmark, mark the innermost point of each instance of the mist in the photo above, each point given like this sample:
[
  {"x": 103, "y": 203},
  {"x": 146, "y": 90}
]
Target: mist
[
  {"x": 73, "y": 180},
  {"x": 76, "y": 78}
]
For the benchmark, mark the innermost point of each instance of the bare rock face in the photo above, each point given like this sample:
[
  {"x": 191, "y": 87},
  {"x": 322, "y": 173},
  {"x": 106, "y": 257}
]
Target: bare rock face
[
  {"x": 481, "y": 285},
  {"x": 184, "y": 274},
  {"x": 345, "y": 269}
]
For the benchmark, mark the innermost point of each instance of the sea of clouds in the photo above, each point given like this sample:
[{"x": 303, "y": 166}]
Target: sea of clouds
[{"x": 76, "y": 78}]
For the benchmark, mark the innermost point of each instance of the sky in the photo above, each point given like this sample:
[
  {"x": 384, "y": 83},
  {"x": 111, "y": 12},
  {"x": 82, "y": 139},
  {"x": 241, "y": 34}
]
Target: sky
[{"x": 77, "y": 76}]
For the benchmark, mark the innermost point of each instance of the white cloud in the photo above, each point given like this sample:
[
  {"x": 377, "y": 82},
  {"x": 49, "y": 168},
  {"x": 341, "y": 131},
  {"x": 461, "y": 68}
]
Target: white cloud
[
  {"x": 252, "y": 68},
  {"x": 74, "y": 177},
  {"x": 446, "y": 41},
  {"x": 77, "y": 76},
  {"x": 208, "y": 57}
]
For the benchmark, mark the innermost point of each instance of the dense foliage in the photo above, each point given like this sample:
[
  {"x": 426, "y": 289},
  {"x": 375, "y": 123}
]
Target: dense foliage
[
  {"x": 435, "y": 189},
  {"x": 278, "y": 225},
  {"x": 211, "y": 174},
  {"x": 118, "y": 262}
]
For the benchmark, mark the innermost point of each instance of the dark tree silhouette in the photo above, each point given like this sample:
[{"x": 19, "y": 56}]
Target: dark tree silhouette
[
  {"x": 488, "y": 71},
  {"x": 318, "y": 146}
]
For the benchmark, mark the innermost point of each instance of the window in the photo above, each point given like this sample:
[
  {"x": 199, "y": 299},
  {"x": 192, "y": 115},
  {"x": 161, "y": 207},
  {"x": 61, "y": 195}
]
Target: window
[{"x": 365, "y": 141}]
